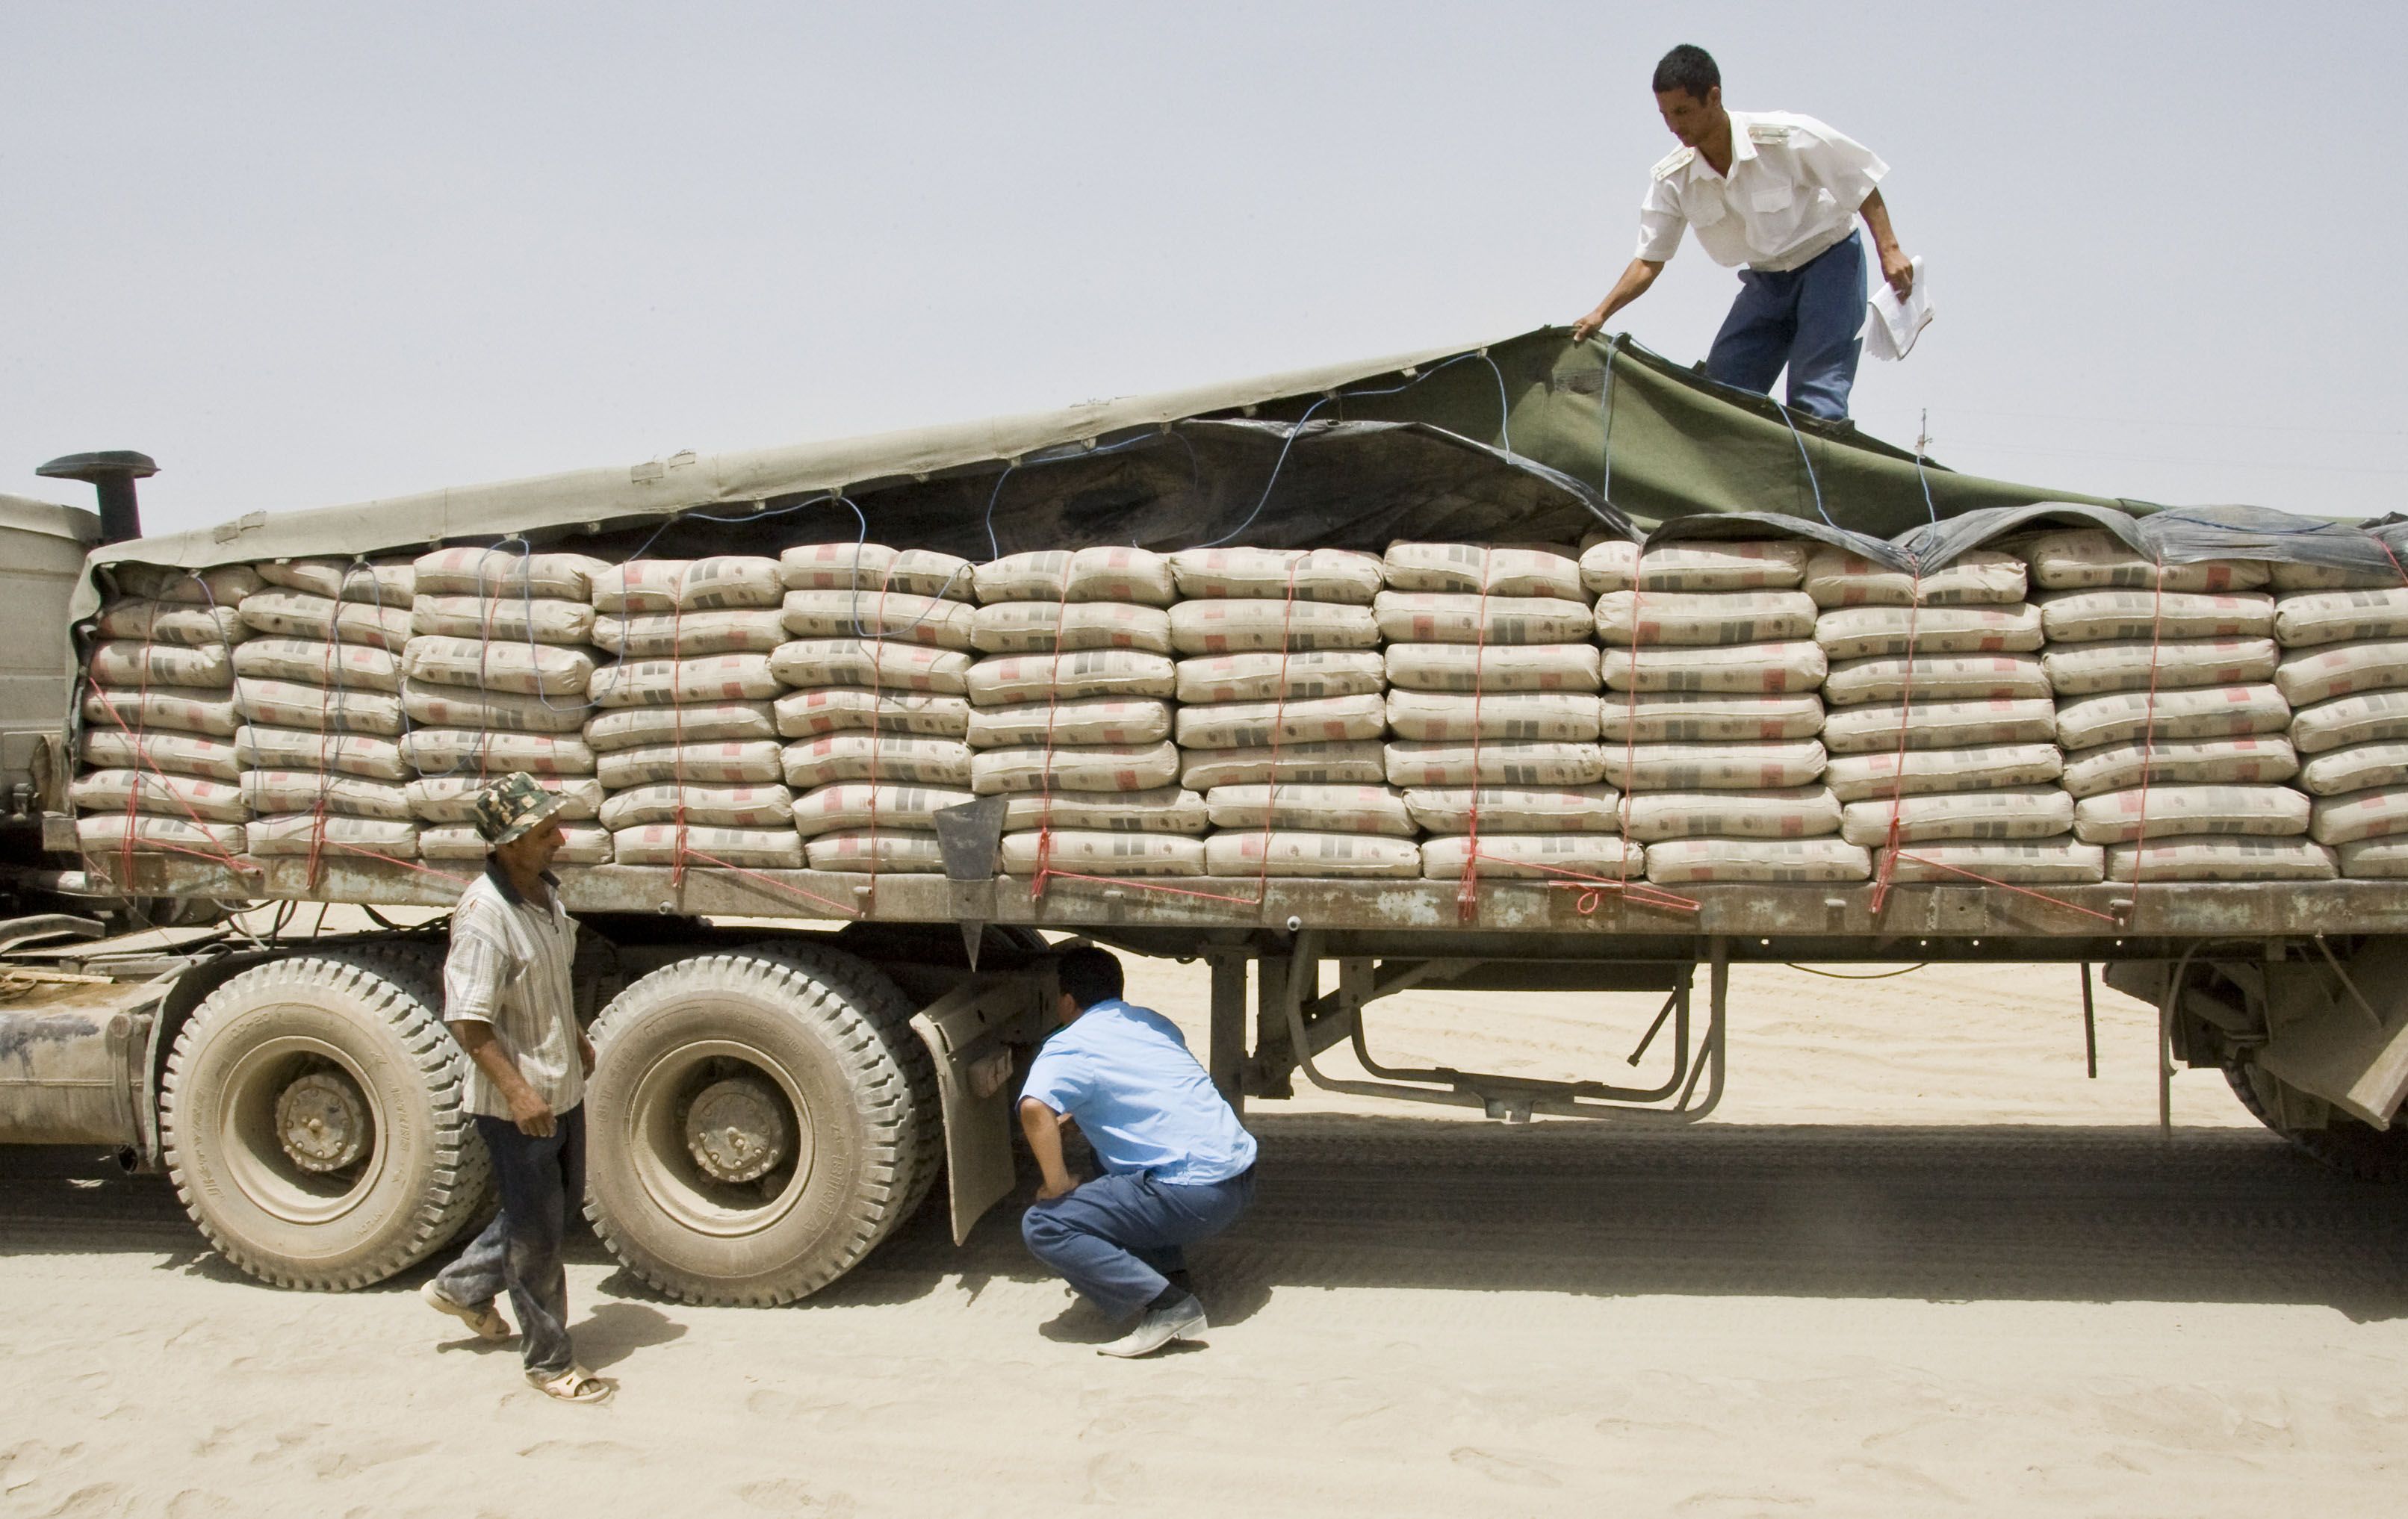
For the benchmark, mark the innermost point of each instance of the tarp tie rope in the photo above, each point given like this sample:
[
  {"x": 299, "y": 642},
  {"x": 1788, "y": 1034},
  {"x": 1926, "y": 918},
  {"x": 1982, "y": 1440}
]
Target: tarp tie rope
[
  {"x": 2148, "y": 737},
  {"x": 1467, "y": 895},
  {"x": 1892, "y": 835}
]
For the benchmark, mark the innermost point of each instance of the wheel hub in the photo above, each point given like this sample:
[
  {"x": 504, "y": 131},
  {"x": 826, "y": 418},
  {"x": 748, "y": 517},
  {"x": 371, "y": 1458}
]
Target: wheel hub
[
  {"x": 737, "y": 1129},
  {"x": 322, "y": 1122}
]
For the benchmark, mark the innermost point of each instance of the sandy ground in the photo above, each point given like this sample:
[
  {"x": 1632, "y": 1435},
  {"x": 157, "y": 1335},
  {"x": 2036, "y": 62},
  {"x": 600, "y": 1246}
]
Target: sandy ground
[{"x": 1916, "y": 1265}]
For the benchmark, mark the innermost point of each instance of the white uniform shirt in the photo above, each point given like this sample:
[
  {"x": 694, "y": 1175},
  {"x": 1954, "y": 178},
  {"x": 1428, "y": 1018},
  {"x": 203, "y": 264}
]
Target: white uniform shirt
[
  {"x": 509, "y": 967},
  {"x": 1793, "y": 192}
]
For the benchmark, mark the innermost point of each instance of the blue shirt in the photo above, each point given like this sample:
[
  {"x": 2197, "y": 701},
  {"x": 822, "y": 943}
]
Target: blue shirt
[{"x": 1144, "y": 1104}]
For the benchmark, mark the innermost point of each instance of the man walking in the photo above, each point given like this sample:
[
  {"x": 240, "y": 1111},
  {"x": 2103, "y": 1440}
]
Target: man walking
[
  {"x": 507, "y": 999},
  {"x": 1779, "y": 194},
  {"x": 1179, "y": 1166}
]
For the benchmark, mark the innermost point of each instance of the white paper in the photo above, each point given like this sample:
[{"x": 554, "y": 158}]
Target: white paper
[{"x": 1892, "y": 325}]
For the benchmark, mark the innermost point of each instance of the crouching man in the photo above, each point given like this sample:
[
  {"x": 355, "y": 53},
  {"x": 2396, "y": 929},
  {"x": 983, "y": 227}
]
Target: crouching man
[{"x": 1179, "y": 1166}]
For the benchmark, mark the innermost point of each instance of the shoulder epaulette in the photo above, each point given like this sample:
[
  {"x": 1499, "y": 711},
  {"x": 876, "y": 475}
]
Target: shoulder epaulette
[
  {"x": 1674, "y": 162},
  {"x": 1767, "y": 132}
]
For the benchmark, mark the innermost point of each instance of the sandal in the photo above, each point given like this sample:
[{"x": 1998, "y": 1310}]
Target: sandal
[
  {"x": 574, "y": 1386},
  {"x": 487, "y": 1320}
]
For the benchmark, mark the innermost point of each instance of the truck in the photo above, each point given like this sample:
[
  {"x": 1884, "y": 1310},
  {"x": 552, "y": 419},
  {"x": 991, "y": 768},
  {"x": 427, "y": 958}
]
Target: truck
[{"x": 793, "y": 1060}]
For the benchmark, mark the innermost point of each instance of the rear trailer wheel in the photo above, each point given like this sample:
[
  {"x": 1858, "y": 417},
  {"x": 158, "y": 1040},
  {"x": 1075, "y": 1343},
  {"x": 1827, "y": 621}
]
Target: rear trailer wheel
[
  {"x": 2345, "y": 1144},
  {"x": 758, "y": 1121},
  {"x": 311, "y": 1114}
]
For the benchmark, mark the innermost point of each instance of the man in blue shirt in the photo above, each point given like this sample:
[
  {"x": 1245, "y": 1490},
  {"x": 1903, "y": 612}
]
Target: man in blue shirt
[{"x": 1178, "y": 1167}]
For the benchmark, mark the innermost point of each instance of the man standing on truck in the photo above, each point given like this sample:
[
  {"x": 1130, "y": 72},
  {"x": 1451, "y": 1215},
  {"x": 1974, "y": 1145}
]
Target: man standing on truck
[
  {"x": 1779, "y": 194},
  {"x": 1178, "y": 1167},
  {"x": 507, "y": 999}
]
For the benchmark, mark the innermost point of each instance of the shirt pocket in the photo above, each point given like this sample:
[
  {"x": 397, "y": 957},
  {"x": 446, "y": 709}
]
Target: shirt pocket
[{"x": 1767, "y": 199}]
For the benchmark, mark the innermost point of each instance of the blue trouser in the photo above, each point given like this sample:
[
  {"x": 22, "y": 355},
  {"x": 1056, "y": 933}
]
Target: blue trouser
[
  {"x": 1810, "y": 318},
  {"x": 520, "y": 1249},
  {"x": 1116, "y": 1238}
]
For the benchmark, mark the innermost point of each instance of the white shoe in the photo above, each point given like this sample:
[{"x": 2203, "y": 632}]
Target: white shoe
[{"x": 1181, "y": 1320}]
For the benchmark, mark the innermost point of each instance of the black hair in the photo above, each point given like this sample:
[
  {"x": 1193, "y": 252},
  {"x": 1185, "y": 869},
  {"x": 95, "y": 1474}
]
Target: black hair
[
  {"x": 1088, "y": 975},
  {"x": 1687, "y": 67}
]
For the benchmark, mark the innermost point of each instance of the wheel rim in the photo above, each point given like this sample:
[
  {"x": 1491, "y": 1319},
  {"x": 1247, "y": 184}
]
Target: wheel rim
[
  {"x": 658, "y": 1113},
  {"x": 254, "y": 1151}
]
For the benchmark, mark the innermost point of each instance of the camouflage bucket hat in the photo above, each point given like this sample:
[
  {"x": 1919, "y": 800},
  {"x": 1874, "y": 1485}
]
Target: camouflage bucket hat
[{"x": 512, "y": 805}]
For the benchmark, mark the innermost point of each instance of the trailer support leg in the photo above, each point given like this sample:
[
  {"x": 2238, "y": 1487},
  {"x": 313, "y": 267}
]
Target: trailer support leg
[{"x": 1226, "y": 1052}]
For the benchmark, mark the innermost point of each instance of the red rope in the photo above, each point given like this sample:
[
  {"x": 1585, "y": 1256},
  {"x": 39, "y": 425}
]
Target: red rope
[
  {"x": 1467, "y": 893},
  {"x": 1897, "y": 757}
]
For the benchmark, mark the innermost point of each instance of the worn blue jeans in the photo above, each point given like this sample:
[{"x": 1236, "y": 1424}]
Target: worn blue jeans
[
  {"x": 1116, "y": 1238},
  {"x": 520, "y": 1249},
  {"x": 1810, "y": 318}
]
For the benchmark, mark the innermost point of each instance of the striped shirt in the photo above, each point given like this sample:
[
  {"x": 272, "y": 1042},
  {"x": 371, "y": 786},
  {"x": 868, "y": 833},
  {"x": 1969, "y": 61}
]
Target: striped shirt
[{"x": 509, "y": 968}]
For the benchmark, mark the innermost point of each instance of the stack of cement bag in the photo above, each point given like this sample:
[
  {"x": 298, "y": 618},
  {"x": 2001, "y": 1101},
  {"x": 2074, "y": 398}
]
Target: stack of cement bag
[
  {"x": 2175, "y": 751},
  {"x": 878, "y": 721},
  {"x": 2344, "y": 640},
  {"x": 1939, "y": 723},
  {"x": 158, "y": 715}
]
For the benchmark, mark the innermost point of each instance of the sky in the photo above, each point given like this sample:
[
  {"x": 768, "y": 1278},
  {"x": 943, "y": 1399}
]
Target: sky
[{"x": 311, "y": 254}]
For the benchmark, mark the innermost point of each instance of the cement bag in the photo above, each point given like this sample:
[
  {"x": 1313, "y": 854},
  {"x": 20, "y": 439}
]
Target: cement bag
[
  {"x": 2355, "y": 769},
  {"x": 2292, "y": 577},
  {"x": 1608, "y": 565},
  {"x": 1703, "y": 619},
  {"x": 2376, "y": 813},
  {"x": 184, "y": 710},
  {"x": 2173, "y": 811},
  {"x": 452, "y": 798},
  {"x": 1085, "y": 853},
  {"x": 1856, "y": 631},
  {"x": 271, "y": 791},
  {"x": 2088, "y": 616},
  {"x": 163, "y": 622},
  {"x": 523, "y": 668},
  {"x": 1762, "y": 668},
  {"x": 1493, "y": 762},
  {"x": 1275, "y": 575},
  {"x": 1161, "y": 809},
  {"x": 2222, "y": 859},
  {"x": 1982, "y": 578},
  {"x": 504, "y": 619},
  {"x": 1258, "y": 725},
  {"x": 665, "y": 683},
  {"x": 2016, "y": 812},
  {"x": 709, "y": 723},
  {"x": 1473, "y": 569},
  {"x": 894, "y": 615},
  {"x": 747, "y": 630},
  {"x": 1071, "y": 720},
  {"x": 2234, "y": 712},
  {"x": 1941, "y": 724},
  {"x": 737, "y": 763},
  {"x": 1525, "y": 856},
  {"x": 289, "y": 704},
  {"x": 302, "y": 749},
  {"x": 1093, "y": 672},
  {"x": 384, "y": 582},
  {"x": 490, "y": 755},
  {"x": 499, "y": 712},
  {"x": 1499, "y": 714},
  {"x": 333, "y": 838},
  {"x": 2264, "y": 761},
  {"x": 1338, "y": 855},
  {"x": 168, "y": 795},
  {"x": 2312, "y": 675},
  {"x": 2370, "y": 717},
  {"x": 104, "y": 833},
  {"x": 580, "y": 844},
  {"x": 2366, "y": 859},
  {"x": 2048, "y": 862},
  {"x": 1268, "y": 677},
  {"x": 804, "y": 714},
  {"x": 1103, "y": 573},
  {"x": 1936, "y": 677},
  {"x": 709, "y": 807},
  {"x": 299, "y": 614},
  {"x": 160, "y": 664},
  {"x": 1855, "y": 777},
  {"x": 346, "y": 666},
  {"x": 1457, "y": 667},
  {"x": 1789, "y": 862},
  {"x": 2090, "y": 558},
  {"x": 1360, "y": 763},
  {"x": 185, "y": 753},
  {"x": 1777, "y": 565},
  {"x": 743, "y": 849},
  {"x": 1713, "y": 766},
  {"x": 1074, "y": 768},
  {"x": 1798, "y": 812},
  {"x": 2341, "y": 617},
  {"x": 858, "y": 756},
  {"x": 1684, "y": 717},
  {"x": 1515, "y": 810},
  {"x": 874, "y": 567},
  {"x": 221, "y": 586},
  {"x": 853, "y": 804},
  {"x": 868, "y": 849},
  {"x": 1240, "y": 625},
  {"x": 1036, "y": 627},
  {"x": 1443, "y": 617},
  {"x": 1363, "y": 810},
  {"x": 717, "y": 584},
  {"x": 500, "y": 574},
  {"x": 869, "y": 662}
]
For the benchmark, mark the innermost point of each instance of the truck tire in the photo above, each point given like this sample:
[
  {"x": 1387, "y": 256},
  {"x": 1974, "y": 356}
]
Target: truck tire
[
  {"x": 311, "y": 1115},
  {"x": 2355, "y": 1149},
  {"x": 759, "y": 1121}
]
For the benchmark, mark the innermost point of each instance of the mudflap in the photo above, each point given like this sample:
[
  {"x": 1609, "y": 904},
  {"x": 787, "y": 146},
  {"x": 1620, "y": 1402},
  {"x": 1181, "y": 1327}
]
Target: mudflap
[
  {"x": 2341, "y": 1033},
  {"x": 970, "y": 1033}
]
